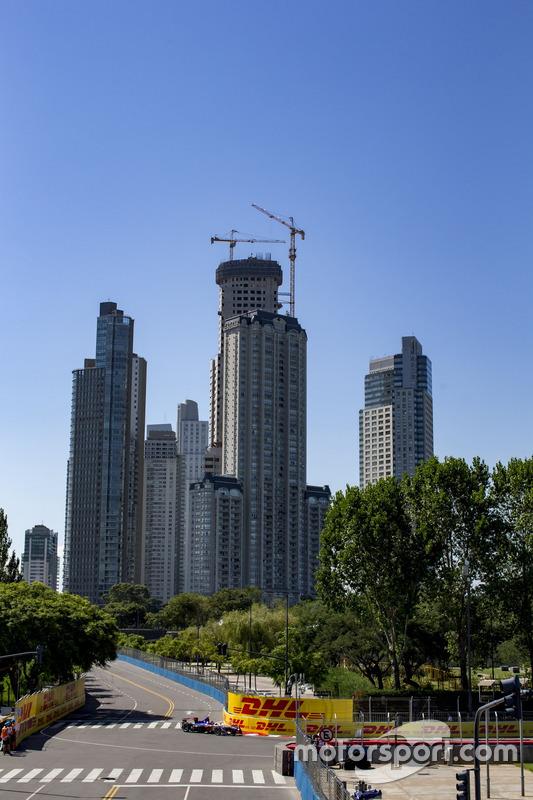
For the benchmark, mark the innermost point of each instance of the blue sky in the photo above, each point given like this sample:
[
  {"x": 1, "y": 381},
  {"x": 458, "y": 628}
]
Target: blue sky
[{"x": 398, "y": 135}]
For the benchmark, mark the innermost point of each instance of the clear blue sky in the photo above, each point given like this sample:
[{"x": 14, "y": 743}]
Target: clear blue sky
[{"x": 397, "y": 133}]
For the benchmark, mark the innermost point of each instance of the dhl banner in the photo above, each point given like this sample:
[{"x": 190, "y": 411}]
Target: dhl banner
[
  {"x": 276, "y": 715},
  {"x": 37, "y": 710}
]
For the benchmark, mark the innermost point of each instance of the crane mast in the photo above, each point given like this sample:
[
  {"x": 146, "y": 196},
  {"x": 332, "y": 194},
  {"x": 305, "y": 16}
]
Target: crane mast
[
  {"x": 292, "y": 249},
  {"x": 233, "y": 241}
]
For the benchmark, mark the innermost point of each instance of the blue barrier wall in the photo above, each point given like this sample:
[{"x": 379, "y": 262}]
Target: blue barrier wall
[
  {"x": 303, "y": 783},
  {"x": 198, "y": 686}
]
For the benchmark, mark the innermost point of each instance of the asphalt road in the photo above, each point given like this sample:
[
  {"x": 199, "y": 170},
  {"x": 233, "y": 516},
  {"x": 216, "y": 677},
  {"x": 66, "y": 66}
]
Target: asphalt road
[{"x": 127, "y": 744}]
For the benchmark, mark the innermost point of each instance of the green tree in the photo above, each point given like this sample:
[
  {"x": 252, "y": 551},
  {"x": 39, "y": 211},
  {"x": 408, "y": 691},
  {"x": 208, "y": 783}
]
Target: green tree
[
  {"x": 183, "y": 610},
  {"x": 75, "y": 635},
  {"x": 371, "y": 554},
  {"x": 449, "y": 505},
  {"x": 511, "y": 576},
  {"x": 9, "y": 563},
  {"x": 130, "y": 604},
  {"x": 233, "y": 600}
]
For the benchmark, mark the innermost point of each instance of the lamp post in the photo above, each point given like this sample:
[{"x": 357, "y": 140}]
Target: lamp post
[
  {"x": 466, "y": 574},
  {"x": 250, "y": 646}
]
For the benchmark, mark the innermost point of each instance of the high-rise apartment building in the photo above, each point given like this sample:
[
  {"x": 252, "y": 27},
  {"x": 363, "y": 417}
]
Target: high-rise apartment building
[
  {"x": 245, "y": 285},
  {"x": 264, "y": 444},
  {"x": 162, "y": 547},
  {"x": 192, "y": 441},
  {"x": 253, "y": 520},
  {"x": 40, "y": 561},
  {"x": 103, "y": 525},
  {"x": 216, "y": 526},
  {"x": 396, "y": 424}
]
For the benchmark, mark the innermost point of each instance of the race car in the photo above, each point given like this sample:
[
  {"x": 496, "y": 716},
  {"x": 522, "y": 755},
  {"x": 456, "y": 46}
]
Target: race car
[
  {"x": 194, "y": 725},
  {"x": 221, "y": 729}
]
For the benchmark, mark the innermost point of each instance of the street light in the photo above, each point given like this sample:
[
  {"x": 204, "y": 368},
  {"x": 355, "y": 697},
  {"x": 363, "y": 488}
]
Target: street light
[{"x": 466, "y": 574}]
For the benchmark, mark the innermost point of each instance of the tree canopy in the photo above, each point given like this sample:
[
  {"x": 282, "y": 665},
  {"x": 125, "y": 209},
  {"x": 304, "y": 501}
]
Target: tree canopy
[
  {"x": 9, "y": 563},
  {"x": 75, "y": 635}
]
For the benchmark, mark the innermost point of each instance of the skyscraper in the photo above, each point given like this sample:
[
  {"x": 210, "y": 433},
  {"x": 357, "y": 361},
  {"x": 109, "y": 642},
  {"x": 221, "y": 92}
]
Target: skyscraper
[
  {"x": 163, "y": 494},
  {"x": 264, "y": 444},
  {"x": 40, "y": 561},
  {"x": 103, "y": 525},
  {"x": 245, "y": 285},
  {"x": 192, "y": 440},
  {"x": 396, "y": 424},
  {"x": 258, "y": 444}
]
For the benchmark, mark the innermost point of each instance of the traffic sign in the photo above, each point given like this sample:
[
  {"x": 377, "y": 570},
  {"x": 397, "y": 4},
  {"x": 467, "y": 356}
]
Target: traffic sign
[{"x": 326, "y": 734}]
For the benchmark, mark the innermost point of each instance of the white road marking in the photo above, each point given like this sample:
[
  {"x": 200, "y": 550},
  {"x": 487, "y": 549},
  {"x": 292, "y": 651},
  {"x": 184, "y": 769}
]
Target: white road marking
[
  {"x": 30, "y": 776},
  {"x": 238, "y": 776},
  {"x": 72, "y": 774},
  {"x": 155, "y": 776},
  {"x": 92, "y": 776},
  {"x": 175, "y": 775},
  {"x": 134, "y": 776},
  {"x": 196, "y": 775},
  {"x": 257, "y": 776},
  {"x": 217, "y": 776},
  {"x": 51, "y": 775}
]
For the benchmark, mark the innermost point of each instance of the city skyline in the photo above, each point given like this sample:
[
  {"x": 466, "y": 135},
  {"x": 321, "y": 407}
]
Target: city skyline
[{"x": 397, "y": 137}]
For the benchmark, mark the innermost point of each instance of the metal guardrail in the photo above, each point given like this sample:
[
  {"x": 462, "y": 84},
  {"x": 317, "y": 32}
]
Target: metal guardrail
[{"x": 326, "y": 784}]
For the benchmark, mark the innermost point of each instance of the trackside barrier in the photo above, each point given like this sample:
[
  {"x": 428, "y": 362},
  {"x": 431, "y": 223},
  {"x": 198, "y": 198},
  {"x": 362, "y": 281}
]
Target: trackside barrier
[
  {"x": 169, "y": 669},
  {"x": 313, "y": 778},
  {"x": 37, "y": 710}
]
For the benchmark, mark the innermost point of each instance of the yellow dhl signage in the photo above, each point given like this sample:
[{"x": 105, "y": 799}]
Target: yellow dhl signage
[
  {"x": 34, "y": 712},
  {"x": 276, "y": 715}
]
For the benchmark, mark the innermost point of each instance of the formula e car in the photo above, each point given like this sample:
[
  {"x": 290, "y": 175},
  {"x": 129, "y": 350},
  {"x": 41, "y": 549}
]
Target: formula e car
[
  {"x": 221, "y": 729},
  {"x": 194, "y": 725}
]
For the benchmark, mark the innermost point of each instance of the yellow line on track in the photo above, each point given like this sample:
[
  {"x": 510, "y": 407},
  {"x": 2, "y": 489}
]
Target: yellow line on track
[
  {"x": 111, "y": 793},
  {"x": 162, "y": 696}
]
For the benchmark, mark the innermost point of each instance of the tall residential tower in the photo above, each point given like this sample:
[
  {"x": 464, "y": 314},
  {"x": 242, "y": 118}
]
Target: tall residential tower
[
  {"x": 252, "y": 524},
  {"x": 103, "y": 525},
  {"x": 40, "y": 561},
  {"x": 396, "y": 424}
]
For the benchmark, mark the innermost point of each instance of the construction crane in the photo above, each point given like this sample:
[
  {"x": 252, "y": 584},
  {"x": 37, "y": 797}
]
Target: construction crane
[
  {"x": 233, "y": 241},
  {"x": 292, "y": 248}
]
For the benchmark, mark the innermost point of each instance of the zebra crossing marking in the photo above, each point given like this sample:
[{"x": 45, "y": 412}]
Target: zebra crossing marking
[
  {"x": 72, "y": 774},
  {"x": 50, "y": 775},
  {"x": 31, "y": 775},
  {"x": 9, "y": 775},
  {"x": 92, "y": 776},
  {"x": 154, "y": 776}
]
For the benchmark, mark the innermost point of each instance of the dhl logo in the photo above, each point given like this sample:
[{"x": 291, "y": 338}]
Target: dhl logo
[{"x": 25, "y": 711}]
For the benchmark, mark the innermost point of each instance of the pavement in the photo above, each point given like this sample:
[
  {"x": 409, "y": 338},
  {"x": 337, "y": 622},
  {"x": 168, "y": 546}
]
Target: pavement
[{"x": 437, "y": 782}]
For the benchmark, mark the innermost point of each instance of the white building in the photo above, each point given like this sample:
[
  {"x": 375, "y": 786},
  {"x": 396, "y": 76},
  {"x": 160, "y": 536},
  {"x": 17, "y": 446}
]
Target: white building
[
  {"x": 161, "y": 533},
  {"x": 40, "y": 561}
]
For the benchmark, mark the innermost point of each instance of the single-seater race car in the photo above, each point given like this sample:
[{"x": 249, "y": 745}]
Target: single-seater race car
[
  {"x": 221, "y": 729},
  {"x": 194, "y": 725}
]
